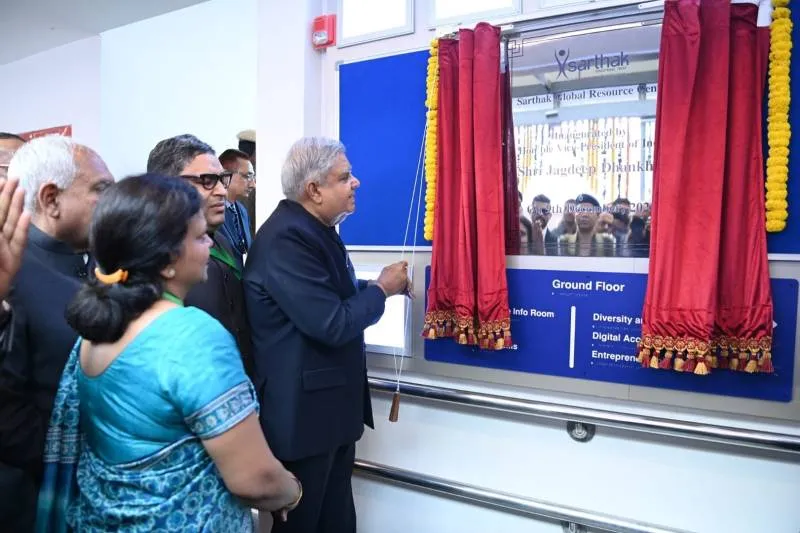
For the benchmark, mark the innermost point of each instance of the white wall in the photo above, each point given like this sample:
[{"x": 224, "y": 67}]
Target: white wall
[
  {"x": 189, "y": 71},
  {"x": 672, "y": 483},
  {"x": 54, "y": 88},
  {"x": 667, "y": 482},
  {"x": 290, "y": 93}
]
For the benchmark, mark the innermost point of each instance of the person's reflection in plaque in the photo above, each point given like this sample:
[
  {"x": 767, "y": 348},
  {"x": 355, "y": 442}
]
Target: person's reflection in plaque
[
  {"x": 567, "y": 224},
  {"x": 543, "y": 241},
  {"x": 525, "y": 231},
  {"x": 587, "y": 242}
]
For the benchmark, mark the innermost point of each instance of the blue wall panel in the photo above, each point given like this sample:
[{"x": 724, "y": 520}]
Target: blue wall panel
[
  {"x": 381, "y": 122},
  {"x": 605, "y": 319}
]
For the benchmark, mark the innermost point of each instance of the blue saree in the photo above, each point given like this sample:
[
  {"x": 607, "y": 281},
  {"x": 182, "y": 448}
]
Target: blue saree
[{"x": 124, "y": 450}]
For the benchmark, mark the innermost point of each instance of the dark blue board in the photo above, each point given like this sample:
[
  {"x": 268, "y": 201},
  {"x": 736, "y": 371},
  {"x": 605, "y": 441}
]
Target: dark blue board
[
  {"x": 381, "y": 123},
  {"x": 606, "y": 324}
]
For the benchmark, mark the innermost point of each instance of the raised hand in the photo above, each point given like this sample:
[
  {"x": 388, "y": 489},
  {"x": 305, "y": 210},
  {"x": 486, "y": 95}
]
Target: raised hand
[{"x": 14, "y": 235}]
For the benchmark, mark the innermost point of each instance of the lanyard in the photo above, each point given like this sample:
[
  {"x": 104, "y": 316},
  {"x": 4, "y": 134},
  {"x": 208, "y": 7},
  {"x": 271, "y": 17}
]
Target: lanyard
[
  {"x": 222, "y": 255},
  {"x": 172, "y": 298}
]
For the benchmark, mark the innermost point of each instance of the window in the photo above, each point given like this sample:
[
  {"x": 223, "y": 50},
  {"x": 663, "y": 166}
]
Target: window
[
  {"x": 563, "y": 3},
  {"x": 456, "y": 11},
  {"x": 584, "y": 105},
  {"x": 361, "y": 21},
  {"x": 388, "y": 335}
]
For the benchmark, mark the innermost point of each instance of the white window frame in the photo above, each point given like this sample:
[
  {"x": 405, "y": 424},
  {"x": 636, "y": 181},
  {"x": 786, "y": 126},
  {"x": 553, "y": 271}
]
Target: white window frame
[
  {"x": 343, "y": 42},
  {"x": 373, "y": 270},
  {"x": 515, "y": 9},
  {"x": 548, "y": 4}
]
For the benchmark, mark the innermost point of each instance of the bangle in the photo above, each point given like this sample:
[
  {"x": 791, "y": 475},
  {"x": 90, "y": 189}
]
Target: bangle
[{"x": 299, "y": 496}]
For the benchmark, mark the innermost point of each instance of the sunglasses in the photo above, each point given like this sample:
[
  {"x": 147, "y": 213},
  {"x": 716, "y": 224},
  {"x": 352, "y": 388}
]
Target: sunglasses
[{"x": 209, "y": 181}]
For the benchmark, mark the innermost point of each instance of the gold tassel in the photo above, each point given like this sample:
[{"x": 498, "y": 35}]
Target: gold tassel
[
  {"x": 743, "y": 361},
  {"x": 723, "y": 361},
  {"x": 765, "y": 363},
  {"x": 701, "y": 369}
]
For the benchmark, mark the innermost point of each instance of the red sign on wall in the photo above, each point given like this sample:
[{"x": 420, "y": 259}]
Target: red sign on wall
[{"x": 66, "y": 131}]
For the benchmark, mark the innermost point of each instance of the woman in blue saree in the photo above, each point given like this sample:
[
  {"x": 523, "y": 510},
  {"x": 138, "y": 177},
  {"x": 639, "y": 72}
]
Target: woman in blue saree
[{"x": 154, "y": 426}]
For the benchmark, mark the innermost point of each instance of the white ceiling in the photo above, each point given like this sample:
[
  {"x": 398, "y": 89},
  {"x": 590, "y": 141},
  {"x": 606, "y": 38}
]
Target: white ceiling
[{"x": 28, "y": 27}]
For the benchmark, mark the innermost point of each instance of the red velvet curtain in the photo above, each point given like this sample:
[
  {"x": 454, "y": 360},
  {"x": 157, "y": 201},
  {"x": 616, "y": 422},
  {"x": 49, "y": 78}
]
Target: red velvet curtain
[
  {"x": 510, "y": 182},
  {"x": 467, "y": 294},
  {"x": 708, "y": 299}
]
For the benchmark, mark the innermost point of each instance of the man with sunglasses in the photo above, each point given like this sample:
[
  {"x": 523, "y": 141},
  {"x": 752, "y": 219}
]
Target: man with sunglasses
[{"x": 222, "y": 295}]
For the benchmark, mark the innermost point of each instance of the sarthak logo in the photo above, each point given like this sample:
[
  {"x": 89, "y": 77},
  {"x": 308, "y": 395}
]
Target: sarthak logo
[
  {"x": 599, "y": 62},
  {"x": 562, "y": 56}
]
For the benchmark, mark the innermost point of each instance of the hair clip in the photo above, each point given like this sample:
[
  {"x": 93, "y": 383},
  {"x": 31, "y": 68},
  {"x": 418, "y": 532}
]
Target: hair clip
[{"x": 120, "y": 276}]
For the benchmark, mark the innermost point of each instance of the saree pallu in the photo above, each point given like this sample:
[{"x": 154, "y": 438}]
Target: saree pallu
[{"x": 175, "y": 489}]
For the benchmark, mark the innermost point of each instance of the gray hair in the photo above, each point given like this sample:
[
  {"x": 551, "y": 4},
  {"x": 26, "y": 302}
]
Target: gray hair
[
  {"x": 48, "y": 159},
  {"x": 171, "y": 156},
  {"x": 309, "y": 160}
]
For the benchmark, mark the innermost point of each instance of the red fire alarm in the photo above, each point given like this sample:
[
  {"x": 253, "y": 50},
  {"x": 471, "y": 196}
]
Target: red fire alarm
[{"x": 323, "y": 31}]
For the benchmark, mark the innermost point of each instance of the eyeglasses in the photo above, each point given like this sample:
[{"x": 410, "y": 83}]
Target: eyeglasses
[
  {"x": 248, "y": 176},
  {"x": 209, "y": 181}
]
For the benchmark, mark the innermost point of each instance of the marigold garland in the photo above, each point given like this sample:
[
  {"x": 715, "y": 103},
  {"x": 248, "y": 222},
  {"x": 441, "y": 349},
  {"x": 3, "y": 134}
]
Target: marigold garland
[
  {"x": 778, "y": 128},
  {"x": 431, "y": 138}
]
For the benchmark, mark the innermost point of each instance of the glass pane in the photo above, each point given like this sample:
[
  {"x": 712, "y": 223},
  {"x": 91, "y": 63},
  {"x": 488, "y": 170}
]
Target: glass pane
[
  {"x": 388, "y": 335},
  {"x": 584, "y": 117},
  {"x": 364, "y": 17},
  {"x": 448, "y": 9}
]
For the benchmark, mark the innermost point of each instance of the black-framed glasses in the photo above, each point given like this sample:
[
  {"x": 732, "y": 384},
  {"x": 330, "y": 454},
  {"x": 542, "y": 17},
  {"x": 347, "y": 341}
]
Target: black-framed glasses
[{"x": 209, "y": 181}]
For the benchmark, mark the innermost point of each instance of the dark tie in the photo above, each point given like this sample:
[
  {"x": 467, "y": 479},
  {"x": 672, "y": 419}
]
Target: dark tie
[{"x": 241, "y": 240}]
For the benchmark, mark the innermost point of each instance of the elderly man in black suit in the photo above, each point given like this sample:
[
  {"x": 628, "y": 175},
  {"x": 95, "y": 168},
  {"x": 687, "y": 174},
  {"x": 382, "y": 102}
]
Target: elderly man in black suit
[
  {"x": 307, "y": 314},
  {"x": 62, "y": 181}
]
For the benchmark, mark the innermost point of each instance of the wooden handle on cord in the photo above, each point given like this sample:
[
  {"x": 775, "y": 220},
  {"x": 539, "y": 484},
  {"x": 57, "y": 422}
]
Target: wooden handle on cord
[{"x": 395, "y": 410}]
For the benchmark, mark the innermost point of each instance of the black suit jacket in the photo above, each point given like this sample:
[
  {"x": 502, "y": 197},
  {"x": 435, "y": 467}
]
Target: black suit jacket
[
  {"x": 222, "y": 297},
  {"x": 49, "y": 278},
  {"x": 307, "y": 317}
]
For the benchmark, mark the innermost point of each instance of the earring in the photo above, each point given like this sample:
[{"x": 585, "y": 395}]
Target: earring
[{"x": 171, "y": 273}]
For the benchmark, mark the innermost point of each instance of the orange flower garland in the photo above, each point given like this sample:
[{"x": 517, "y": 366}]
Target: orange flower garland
[
  {"x": 778, "y": 128},
  {"x": 431, "y": 139}
]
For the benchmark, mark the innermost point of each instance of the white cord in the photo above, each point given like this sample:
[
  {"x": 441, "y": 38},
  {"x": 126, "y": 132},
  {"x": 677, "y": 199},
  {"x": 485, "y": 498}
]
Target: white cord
[{"x": 415, "y": 195}]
